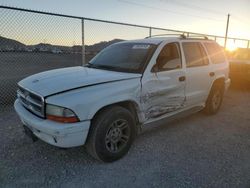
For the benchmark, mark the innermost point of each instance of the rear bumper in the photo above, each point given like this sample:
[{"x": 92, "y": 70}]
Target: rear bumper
[{"x": 63, "y": 135}]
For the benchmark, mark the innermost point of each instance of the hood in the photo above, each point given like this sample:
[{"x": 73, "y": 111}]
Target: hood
[{"x": 59, "y": 80}]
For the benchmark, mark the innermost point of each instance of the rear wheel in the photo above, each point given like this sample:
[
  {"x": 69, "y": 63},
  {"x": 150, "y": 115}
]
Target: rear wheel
[
  {"x": 215, "y": 99},
  {"x": 111, "y": 134}
]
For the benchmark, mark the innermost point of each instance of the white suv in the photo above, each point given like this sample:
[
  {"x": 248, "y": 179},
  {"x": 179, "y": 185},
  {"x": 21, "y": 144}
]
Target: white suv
[{"x": 125, "y": 88}]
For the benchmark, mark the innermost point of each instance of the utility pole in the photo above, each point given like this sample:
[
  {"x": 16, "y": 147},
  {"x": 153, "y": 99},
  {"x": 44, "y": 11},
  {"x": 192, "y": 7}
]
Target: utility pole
[{"x": 228, "y": 18}]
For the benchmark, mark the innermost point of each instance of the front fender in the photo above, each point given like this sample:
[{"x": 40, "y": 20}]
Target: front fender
[{"x": 85, "y": 102}]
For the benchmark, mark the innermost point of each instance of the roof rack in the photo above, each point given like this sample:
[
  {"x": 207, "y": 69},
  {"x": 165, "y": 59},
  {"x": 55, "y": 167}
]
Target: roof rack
[
  {"x": 195, "y": 36},
  {"x": 183, "y": 36},
  {"x": 180, "y": 35}
]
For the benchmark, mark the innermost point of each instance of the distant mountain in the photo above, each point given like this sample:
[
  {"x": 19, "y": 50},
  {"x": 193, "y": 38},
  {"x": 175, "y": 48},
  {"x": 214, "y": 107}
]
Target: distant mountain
[
  {"x": 43, "y": 47},
  {"x": 10, "y": 44},
  {"x": 95, "y": 48},
  {"x": 13, "y": 45},
  {"x": 101, "y": 45}
]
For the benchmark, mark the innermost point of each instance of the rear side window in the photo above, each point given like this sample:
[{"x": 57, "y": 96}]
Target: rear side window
[
  {"x": 194, "y": 54},
  {"x": 215, "y": 52}
]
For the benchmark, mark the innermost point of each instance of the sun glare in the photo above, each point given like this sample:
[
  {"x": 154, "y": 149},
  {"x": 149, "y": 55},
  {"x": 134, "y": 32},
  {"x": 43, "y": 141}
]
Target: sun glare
[{"x": 231, "y": 47}]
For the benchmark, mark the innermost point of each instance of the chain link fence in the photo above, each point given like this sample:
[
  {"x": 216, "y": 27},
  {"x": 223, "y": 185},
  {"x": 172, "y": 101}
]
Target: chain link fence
[{"x": 33, "y": 41}]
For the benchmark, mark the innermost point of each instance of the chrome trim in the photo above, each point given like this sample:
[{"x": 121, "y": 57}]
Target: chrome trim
[
  {"x": 28, "y": 98},
  {"x": 19, "y": 93},
  {"x": 25, "y": 97}
]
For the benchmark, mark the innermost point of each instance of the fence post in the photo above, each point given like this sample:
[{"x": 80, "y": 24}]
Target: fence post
[
  {"x": 83, "y": 44},
  {"x": 150, "y": 31}
]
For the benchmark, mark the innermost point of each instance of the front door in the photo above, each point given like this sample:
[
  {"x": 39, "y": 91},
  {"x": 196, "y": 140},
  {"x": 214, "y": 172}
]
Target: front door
[{"x": 163, "y": 90}]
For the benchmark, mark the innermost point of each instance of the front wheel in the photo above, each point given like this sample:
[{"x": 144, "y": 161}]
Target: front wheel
[{"x": 111, "y": 134}]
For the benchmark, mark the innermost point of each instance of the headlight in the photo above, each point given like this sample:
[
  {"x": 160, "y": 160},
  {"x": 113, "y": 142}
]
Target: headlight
[{"x": 60, "y": 114}]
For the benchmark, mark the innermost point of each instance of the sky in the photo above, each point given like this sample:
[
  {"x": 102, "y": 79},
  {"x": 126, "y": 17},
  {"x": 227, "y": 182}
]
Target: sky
[{"x": 207, "y": 17}]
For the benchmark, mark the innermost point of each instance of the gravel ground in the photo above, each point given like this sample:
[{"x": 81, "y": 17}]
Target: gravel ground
[{"x": 196, "y": 151}]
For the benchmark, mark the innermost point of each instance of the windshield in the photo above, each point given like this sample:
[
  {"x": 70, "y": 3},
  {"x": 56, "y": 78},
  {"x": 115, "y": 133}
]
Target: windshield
[{"x": 124, "y": 57}]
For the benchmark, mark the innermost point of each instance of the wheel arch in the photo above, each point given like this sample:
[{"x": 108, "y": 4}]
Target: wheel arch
[
  {"x": 130, "y": 105},
  {"x": 217, "y": 81}
]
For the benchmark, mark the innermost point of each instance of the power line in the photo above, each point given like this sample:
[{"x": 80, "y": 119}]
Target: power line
[
  {"x": 242, "y": 21},
  {"x": 168, "y": 10},
  {"x": 192, "y": 6},
  {"x": 236, "y": 21},
  {"x": 198, "y": 8},
  {"x": 240, "y": 18}
]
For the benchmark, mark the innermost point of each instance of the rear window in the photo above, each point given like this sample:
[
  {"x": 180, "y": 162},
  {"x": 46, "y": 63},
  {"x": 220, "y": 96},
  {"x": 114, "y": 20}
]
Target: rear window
[
  {"x": 215, "y": 52},
  {"x": 194, "y": 54}
]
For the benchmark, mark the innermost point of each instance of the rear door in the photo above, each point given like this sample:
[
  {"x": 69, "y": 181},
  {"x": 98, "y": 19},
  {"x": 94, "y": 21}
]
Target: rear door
[
  {"x": 218, "y": 60},
  {"x": 163, "y": 89},
  {"x": 198, "y": 78}
]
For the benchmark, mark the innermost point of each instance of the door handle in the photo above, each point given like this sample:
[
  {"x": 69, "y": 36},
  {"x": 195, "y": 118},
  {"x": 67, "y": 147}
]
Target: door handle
[
  {"x": 182, "y": 78},
  {"x": 211, "y": 74}
]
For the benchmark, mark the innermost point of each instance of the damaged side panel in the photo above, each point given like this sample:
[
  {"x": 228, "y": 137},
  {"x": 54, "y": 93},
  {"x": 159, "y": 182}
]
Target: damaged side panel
[
  {"x": 169, "y": 105},
  {"x": 161, "y": 96}
]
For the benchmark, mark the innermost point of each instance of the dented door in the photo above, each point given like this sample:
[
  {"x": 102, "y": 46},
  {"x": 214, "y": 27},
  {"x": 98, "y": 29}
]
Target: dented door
[{"x": 163, "y": 90}]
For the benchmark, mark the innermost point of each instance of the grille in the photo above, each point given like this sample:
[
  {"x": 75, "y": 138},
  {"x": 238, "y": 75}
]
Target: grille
[{"x": 31, "y": 101}]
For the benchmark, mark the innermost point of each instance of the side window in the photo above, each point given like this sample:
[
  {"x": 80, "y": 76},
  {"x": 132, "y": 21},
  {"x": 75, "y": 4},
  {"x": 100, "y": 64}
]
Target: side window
[
  {"x": 169, "y": 58},
  {"x": 194, "y": 54},
  {"x": 215, "y": 52}
]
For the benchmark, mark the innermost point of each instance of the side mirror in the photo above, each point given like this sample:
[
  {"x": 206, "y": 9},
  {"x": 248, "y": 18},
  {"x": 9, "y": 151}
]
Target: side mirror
[{"x": 155, "y": 68}]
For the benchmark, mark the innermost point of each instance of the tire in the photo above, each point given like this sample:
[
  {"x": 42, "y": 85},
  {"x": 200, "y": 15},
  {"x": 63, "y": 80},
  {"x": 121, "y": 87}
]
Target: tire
[
  {"x": 111, "y": 135},
  {"x": 215, "y": 99}
]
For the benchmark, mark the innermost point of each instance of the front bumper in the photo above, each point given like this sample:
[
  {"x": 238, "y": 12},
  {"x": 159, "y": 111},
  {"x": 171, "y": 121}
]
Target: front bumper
[{"x": 63, "y": 135}]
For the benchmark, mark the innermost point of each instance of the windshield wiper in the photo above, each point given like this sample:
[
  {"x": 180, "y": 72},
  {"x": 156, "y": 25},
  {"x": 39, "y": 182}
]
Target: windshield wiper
[
  {"x": 111, "y": 68},
  {"x": 90, "y": 65}
]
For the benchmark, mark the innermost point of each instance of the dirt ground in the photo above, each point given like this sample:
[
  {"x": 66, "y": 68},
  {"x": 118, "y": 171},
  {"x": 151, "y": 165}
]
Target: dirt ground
[{"x": 196, "y": 151}]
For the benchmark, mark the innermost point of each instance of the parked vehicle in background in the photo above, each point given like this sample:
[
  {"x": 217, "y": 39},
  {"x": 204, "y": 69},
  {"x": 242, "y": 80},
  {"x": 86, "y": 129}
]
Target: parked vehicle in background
[
  {"x": 240, "y": 64},
  {"x": 125, "y": 88},
  {"x": 240, "y": 70}
]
